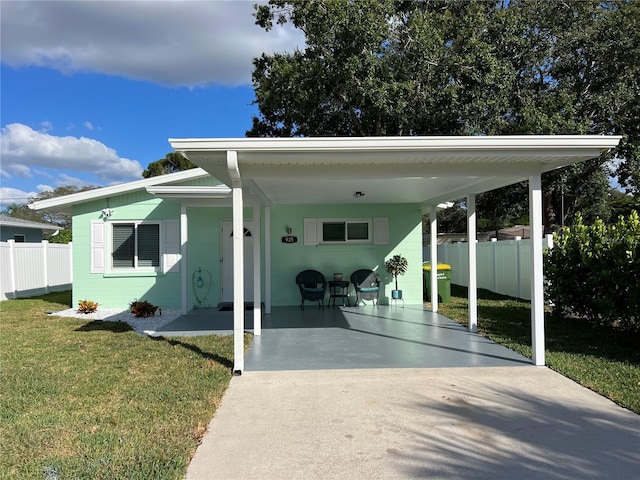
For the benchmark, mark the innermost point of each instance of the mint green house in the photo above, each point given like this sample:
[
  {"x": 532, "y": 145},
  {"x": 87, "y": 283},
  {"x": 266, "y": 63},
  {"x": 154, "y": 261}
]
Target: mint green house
[{"x": 260, "y": 210}]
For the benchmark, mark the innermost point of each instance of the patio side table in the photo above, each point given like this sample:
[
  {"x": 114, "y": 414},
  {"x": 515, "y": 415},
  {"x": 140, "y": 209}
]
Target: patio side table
[{"x": 339, "y": 289}]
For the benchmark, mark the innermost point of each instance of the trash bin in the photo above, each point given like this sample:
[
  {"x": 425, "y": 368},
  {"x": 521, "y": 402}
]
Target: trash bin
[{"x": 444, "y": 281}]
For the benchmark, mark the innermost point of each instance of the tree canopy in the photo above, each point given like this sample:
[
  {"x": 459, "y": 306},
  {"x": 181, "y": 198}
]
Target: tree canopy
[
  {"x": 445, "y": 67},
  {"x": 171, "y": 163}
]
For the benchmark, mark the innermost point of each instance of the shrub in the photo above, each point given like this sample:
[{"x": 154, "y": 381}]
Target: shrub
[
  {"x": 143, "y": 309},
  {"x": 594, "y": 272},
  {"x": 87, "y": 306}
]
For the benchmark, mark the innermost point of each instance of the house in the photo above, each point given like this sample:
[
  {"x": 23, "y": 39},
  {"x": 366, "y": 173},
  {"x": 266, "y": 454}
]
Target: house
[
  {"x": 260, "y": 210},
  {"x": 20, "y": 230}
]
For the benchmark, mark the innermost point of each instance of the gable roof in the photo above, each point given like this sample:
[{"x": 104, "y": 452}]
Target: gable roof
[
  {"x": 6, "y": 221},
  {"x": 65, "y": 202}
]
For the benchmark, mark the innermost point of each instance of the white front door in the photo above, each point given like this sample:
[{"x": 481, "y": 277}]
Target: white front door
[{"x": 227, "y": 262}]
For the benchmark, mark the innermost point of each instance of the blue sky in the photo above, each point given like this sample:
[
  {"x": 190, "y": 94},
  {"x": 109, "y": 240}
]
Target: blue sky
[{"x": 91, "y": 91}]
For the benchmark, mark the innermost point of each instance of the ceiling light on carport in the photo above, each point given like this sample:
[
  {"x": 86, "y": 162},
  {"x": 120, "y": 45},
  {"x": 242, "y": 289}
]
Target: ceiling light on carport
[{"x": 358, "y": 194}]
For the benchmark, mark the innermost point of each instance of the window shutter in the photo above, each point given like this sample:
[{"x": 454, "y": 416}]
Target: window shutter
[
  {"x": 381, "y": 231},
  {"x": 97, "y": 246},
  {"x": 148, "y": 245},
  {"x": 124, "y": 245},
  {"x": 171, "y": 246},
  {"x": 311, "y": 231}
]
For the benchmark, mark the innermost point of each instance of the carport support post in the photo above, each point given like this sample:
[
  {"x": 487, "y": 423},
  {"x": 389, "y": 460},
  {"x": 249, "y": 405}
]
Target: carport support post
[
  {"x": 238, "y": 263},
  {"x": 537, "y": 283},
  {"x": 433, "y": 217},
  {"x": 473, "y": 264},
  {"x": 184, "y": 229},
  {"x": 257, "y": 263}
]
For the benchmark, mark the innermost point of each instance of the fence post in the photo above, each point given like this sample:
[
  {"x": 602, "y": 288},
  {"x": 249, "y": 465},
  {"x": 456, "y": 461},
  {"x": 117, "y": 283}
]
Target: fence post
[
  {"x": 518, "y": 267},
  {"x": 45, "y": 267},
  {"x": 494, "y": 242},
  {"x": 12, "y": 268}
]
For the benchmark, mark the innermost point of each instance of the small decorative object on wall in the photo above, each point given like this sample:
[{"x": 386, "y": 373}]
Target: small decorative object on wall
[
  {"x": 396, "y": 265},
  {"x": 288, "y": 238}
]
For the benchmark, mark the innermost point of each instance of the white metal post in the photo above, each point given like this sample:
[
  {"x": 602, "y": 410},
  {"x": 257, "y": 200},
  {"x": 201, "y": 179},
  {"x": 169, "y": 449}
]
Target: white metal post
[
  {"x": 537, "y": 282},
  {"x": 267, "y": 259},
  {"x": 433, "y": 217},
  {"x": 473, "y": 264},
  {"x": 238, "y": 263},
  {"x": 183, "y": 258},
  {"x": 257, "y": 264}
]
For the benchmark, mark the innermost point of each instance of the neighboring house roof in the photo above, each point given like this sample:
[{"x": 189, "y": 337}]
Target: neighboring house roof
[
  {"x": 6, "y": 221},
  {"x": 64, "y": 203}
]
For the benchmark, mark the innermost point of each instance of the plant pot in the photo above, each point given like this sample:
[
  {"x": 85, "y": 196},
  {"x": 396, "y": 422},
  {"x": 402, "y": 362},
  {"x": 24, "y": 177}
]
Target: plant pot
[
  {"x": 396, "y": 294},
  {"x": 337, "y": 277}
]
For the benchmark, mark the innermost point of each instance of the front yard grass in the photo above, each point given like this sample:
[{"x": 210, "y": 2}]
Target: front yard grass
[
  {"x": 90, "y": 399},
  {"x": 601, "y": 359}
]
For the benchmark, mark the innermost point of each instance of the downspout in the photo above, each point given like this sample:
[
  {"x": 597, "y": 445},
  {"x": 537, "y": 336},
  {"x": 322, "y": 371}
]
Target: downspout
[{"x": 238, "y": 262}]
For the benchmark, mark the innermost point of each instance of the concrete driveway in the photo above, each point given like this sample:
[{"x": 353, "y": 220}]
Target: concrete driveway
[
  {"x": 510, "y": 423},
  {"x": 403, "y": 393}
]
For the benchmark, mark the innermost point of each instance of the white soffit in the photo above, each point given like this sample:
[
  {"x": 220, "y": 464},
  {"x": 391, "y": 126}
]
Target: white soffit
[{"x": 421, "y": 170}]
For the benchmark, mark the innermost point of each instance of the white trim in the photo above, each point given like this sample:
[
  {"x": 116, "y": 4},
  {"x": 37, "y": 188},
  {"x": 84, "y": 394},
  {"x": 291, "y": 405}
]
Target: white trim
[
  {"x": 473, "y": 264},
  {"x": 537, "y": 278},
  {"x": 346, "y": 221},
  {"x": 433, "y": 218},
  {"x": 474, "y": 144},
  {"x": 68, "y": 200},
  {"x": 184, "y": 236}
]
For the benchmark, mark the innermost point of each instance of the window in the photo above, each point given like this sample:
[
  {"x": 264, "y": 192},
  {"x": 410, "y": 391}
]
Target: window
[
  {"x": 350, "y": 231},
  {"x": 135, "y": 246},
  {"x": 18, "y": 238}
]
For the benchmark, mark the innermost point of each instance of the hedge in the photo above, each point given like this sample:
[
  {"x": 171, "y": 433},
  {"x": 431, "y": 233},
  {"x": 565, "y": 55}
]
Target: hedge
[{"x": 594, "y": 272}]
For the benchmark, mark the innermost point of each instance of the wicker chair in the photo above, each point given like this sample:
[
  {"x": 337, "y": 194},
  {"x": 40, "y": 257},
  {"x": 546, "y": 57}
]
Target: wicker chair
[
  {"x": 313, "y": 287},
  {"x": 367, "y": 285}
]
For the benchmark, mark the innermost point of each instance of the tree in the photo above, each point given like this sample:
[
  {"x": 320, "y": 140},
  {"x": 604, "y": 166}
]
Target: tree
[
  {"x": 172, "y": 162},
  {"x": 445, "y": 67},
  {"x": 61, "y": 219}
]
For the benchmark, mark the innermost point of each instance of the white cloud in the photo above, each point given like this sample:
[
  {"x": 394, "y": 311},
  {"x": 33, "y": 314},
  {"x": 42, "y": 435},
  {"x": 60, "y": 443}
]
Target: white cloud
[
  {"x": 88, "y": 125},
  {"x": 10, "y": 195},
  {"x": 171, "y": 43},
  {"x": 44, "y": 188},
  {"x": 21, "y": 147}
]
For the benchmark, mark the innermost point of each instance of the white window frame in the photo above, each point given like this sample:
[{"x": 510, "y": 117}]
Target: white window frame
[
  {"x": 135, "y": 267},
  {"x": 346, "y": 221}
]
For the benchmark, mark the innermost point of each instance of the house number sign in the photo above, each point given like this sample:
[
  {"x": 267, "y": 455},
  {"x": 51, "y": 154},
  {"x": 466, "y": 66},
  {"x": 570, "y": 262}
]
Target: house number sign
[{"x": 289, "y": 239}]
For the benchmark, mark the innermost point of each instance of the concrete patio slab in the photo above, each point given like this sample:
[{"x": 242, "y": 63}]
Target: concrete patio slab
[{"x": 438, "y": 423}]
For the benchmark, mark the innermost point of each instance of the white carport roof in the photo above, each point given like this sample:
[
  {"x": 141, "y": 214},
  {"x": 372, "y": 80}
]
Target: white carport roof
[
  {"x": 419, "y": 170},
  {"x": 423, "y": 170}
]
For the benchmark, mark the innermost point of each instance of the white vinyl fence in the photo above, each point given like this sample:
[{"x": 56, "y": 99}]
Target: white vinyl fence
[
  {"x": 28, "y": 269},
  {"x": 503, "y": 267}
]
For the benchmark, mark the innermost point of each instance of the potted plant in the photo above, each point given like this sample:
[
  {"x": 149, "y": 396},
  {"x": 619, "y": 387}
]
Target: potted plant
[{"x": 396, "y": 265}]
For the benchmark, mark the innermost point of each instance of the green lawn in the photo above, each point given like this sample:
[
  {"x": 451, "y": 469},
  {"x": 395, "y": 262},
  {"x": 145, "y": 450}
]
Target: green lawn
[
  {"x": 604, "y": 360},
  {"x": 95, "y": 400}
]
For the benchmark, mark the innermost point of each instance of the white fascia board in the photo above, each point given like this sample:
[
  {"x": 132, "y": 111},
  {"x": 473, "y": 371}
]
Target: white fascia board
[
  {"x": 439, "y": 143},
  {"x": 68, "y": 200},
  {"x": 177, "y": 191}
]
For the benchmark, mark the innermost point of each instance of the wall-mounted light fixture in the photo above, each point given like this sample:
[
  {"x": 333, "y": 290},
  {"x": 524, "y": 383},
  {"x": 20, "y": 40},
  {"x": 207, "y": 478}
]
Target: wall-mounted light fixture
[
  {"x": 288, "y": 229},
  {"x": 107, "y": 212},
  {"x": 358, "y": 194}
]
